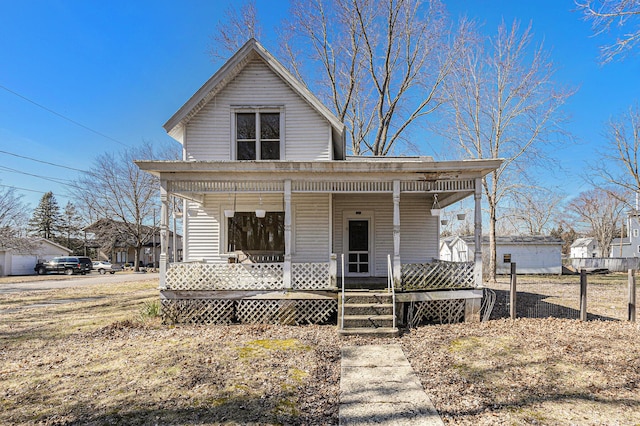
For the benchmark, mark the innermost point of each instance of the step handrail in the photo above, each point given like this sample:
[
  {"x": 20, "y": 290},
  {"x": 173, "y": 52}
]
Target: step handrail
[
  {"x": 342, "y": 304},
  {"x": 390, "y": 288}
]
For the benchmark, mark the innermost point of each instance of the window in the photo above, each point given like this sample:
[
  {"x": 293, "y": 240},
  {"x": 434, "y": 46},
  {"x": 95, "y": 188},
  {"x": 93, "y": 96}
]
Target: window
[
  {"x": 255, "y": 236},
  {"x": 258, "y": 136},
  {"x": 506, "y": 258}
]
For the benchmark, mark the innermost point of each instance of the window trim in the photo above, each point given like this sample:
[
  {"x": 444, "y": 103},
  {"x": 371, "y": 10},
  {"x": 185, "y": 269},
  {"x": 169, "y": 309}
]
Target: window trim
[{"x": 256, "y": 110}]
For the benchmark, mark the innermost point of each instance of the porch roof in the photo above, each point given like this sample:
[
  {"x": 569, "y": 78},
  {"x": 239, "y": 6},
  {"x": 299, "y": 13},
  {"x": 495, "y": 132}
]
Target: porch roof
[
  {"x": 454, "y": 180},
  {"x": 421, "y": 168}
]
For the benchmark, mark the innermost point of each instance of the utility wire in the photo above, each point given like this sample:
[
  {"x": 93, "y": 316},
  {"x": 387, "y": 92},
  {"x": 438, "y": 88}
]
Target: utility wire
[
  {"x": 51, "y": 179},
  {"x": 43, "y": 162},
  {"x": 32, "y": 190},
  {"x": 63, "y": 116}
]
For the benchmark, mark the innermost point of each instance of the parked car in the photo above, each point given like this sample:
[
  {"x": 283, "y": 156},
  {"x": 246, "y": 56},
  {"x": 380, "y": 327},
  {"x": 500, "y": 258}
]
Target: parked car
[
  {"x": 65, "y": 265},
  {"x": 103, "y": 267}
]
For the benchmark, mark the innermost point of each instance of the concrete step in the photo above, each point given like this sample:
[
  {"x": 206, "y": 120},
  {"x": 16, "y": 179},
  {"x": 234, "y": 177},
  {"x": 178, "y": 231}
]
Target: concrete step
[
  {"x": 373, "y": 332},
  {"x": 368, "y": 321}
]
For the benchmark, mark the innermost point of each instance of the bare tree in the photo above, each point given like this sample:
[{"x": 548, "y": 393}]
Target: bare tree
[
  {"x": 238, "y": 26},
  {"x": 503, "y": 104},
  {"x": 608, "y": 15},
  {"x": 533, "y": 211},
  {"x": 597, "y": 212},
  {"x": 618, "y": 161},
  {"x": 379, "y": 65},
  {"x": 12, "y": 218},
  {"x": 116, "y": 189}
]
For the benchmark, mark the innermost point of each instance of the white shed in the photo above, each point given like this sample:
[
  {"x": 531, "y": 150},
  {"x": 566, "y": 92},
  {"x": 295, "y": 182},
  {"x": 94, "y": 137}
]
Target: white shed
[{"x": 532, "y": 254}]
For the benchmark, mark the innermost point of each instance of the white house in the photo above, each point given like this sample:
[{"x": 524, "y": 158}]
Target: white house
[
  {"x": 23, "y": 261},
  {"x": 532, "y": 254},
  {"x": 630, "y": 245},
  {"x": 272, "y": 203},
  {"x": 584, "y": 247}
]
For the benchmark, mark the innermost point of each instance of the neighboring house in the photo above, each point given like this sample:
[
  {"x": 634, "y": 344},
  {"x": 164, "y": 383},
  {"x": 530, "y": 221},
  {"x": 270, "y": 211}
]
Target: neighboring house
[
  {"x": 117, "y": 248},
  {"x": 630, "y": 245},
  {"x": 272, "y": 203},
  {"x": 22, "y": 261},
  {"x": 532, "y": 254},
  {"x": 585, "y": 247}
]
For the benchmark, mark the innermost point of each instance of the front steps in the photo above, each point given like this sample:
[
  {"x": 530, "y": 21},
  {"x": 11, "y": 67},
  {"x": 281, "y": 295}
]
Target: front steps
[{"x": 367, "y": 313}]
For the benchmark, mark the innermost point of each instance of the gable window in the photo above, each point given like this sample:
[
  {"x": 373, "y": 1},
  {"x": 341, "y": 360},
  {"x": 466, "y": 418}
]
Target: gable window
[
  {"x": 258, "y": 136},
  {"x": 257, "y": 238}
]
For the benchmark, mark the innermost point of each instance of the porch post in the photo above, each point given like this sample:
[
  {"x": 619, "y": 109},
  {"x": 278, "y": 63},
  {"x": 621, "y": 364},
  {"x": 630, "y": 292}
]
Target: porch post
[
  {"x": 164, "y": 235},
  {"x": 397, "y": 265},
  {"x": 287, "y": 235},
  {"x": 477, "y": 234}
]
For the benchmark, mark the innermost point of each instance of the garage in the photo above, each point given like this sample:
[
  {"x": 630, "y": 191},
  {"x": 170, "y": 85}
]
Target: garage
[{"x": 23, "y": 264}]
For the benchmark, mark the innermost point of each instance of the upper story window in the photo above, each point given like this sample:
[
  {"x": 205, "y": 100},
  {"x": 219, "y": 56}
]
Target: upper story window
[{"x": 258, "y": 136}]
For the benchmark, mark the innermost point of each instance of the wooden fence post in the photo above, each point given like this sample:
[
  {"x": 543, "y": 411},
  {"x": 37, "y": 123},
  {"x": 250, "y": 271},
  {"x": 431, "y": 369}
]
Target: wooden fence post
[
  {"x": 583, "y": 295},
  {"x": 512, "y": 293},
  {"x": 631, "y": 316}
]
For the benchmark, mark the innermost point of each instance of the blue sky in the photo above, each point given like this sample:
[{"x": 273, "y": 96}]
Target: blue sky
[{"x": 122, "y": 68}]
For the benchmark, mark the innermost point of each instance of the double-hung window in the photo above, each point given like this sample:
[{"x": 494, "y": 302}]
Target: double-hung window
[{"x": 257, "y": 135}]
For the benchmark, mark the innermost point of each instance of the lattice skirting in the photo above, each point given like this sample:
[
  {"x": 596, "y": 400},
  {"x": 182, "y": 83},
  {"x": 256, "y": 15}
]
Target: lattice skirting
[
  {"x": 251, "y": 311},
  {"x": 435, "y": 312}
]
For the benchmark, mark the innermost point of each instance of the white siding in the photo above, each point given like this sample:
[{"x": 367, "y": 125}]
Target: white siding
[
  {"x": 311, "y": 227},
  {"x": 202, "y": 231},
  {"x": 418, "y": 230},
  {"x": 306, "y": 133},
  {"x": 529, "y": 258}
]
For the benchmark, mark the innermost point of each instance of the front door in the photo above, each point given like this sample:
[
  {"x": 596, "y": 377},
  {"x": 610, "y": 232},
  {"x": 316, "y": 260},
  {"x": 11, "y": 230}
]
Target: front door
[{"x": 358, "y": 255}]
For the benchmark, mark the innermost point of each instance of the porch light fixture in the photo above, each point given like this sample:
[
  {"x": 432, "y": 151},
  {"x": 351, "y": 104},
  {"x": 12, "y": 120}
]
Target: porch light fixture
[
  {"x": 260, "y": 212},
  {"x": 435, "y": 209},
  {"x": 231, "y": 212}
]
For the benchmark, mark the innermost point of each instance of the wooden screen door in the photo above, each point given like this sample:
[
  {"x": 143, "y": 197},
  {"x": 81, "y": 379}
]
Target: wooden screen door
[{"x": 358, "y": 244}]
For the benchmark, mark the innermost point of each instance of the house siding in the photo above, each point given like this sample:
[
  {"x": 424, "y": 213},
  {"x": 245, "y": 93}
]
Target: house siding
[
  {"x": 416, "y": 228},
  {"x": 306, "y": 133},
  {"x": 311, "y": 228}
]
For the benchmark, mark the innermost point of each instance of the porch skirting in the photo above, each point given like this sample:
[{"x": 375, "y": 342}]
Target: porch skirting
[
  {"x": 310, "y": 307},
  {"x": 249, "y": 307}
]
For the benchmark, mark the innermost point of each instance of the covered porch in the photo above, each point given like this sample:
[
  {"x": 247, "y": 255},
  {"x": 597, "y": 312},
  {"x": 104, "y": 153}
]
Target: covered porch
[{"x": 302, "y": 286}]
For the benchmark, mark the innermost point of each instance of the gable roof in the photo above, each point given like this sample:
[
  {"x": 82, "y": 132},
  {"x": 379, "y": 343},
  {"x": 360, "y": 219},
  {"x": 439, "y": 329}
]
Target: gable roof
[
  {"x": 251, "y": 50},
  {"x": 582, "y": 242}
]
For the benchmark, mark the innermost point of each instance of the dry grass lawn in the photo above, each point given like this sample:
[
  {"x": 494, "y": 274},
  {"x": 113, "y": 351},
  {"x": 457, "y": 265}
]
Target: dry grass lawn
[{"x": 88, "y": 355}]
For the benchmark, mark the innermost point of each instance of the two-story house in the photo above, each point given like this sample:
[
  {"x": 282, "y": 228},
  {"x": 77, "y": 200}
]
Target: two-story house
[
  {"x": 278, "y": 217},
  {"x": 630, "y": 245}
]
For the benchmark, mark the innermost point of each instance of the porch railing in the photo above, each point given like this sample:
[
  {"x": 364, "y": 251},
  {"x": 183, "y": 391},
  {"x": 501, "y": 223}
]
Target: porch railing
[
  {"x": 437, "y": 275},
  {"x": 249, "y": 276}
]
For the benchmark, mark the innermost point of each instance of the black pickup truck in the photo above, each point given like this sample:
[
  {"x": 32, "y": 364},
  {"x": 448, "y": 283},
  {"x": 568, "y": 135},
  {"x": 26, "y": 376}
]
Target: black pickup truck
[{"x": 65, "y": 265}]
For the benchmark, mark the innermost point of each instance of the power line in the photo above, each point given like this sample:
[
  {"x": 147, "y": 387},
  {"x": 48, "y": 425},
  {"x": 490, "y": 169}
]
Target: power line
[
  {"x": 51, "y": 179},
  {"x": 63, "y": 116},
  {"x": 43, "y": 162},
  {"x": 33, "y": 190}
]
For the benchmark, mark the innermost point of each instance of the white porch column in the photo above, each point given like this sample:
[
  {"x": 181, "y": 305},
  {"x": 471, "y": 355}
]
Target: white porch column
[
  {"x": 477, "y": 233},
  {"x": 164, "y": 234},
  {"x": 397, "y": 265},
  {"x": 287, "y": 234}
]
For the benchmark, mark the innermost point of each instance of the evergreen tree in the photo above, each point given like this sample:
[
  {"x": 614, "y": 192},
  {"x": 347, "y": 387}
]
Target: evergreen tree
[
  {"x": 45, "y": 220},
  {"x": 70, "y": 226}
]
